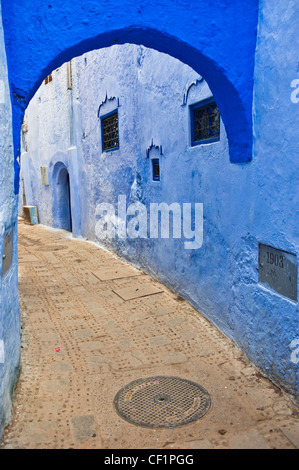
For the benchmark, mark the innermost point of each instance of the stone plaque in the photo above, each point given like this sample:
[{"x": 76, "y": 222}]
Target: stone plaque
[
  {"x": 7, "y": 250},
  {"x": 278, "y": 269}
]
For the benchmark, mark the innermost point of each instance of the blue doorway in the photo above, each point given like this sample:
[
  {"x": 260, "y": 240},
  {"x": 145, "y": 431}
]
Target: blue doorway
[{"x": 63, "y": 201}]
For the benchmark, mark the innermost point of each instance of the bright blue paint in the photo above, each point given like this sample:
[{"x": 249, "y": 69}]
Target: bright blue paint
[
  {"x": 9, "y": 308},
  {"x": 243, "y": 204},
  {"x": 217, "y": 39}
]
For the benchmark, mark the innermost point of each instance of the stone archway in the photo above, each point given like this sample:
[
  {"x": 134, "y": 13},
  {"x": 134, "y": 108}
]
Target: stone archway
[{"x": 203, "y": 35}]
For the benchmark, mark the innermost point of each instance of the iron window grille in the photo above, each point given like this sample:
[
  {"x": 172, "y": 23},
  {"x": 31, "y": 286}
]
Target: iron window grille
[
  {"x": 110, "y": 131},
  {"x": 205, "y": 122},
  {"x": 156, "y": 169}
]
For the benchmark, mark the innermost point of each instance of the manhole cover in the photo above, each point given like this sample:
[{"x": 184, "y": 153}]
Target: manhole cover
[{"x": 162, "y": 402}]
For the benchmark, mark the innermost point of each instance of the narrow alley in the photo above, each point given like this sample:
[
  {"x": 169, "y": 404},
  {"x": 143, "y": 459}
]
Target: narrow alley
[{"x": 92, "y": 325}]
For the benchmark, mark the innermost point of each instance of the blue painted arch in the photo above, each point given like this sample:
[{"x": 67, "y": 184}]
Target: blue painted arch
[{"x": 217, "y": 39}]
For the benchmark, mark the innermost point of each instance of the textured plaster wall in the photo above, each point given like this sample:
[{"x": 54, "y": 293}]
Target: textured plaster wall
[
  {"x": 242, "y": 203},
  {"x": 9, "y": 313},
  {"x": 273, "y": 209},
  {"x": 208, "y": 36},
  {"x": 48, "y": 136}
]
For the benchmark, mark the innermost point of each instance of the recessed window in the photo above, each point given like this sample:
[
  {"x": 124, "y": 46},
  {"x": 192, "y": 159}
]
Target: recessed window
[
  {"x": 205, "y": 122},
  {"x": 110, "y": 131},
  {"x": 156, "y": 169}
]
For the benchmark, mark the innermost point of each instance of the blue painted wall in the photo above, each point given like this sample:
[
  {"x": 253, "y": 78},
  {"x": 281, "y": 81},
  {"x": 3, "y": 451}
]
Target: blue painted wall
[
  {"x": 9, "y": 313},
  {"x": 241, "y": 206},
  {"x": 211, "y": 37},
  {"x": 250, "y": 74},
  {"x": 273, "y": 211}
]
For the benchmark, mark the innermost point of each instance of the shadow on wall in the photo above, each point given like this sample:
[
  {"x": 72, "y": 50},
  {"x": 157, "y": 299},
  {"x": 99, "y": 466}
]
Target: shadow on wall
[{"x": 62, "y": 215}]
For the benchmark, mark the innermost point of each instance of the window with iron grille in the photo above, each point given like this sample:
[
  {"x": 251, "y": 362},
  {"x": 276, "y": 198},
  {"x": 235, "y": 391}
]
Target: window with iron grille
[
  {"x": 110, "y": 131},
  {"x": 156, "y": 169},
  {"x": 205, "y": 122}
]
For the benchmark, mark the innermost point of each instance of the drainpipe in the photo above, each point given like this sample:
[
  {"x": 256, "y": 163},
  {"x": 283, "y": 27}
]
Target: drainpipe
[
  {"x": 73, "y": 157},
  {"x": 71, "y": 108}
]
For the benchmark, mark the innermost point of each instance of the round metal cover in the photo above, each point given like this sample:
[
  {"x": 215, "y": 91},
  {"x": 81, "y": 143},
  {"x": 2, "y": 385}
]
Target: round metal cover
[{"x": 162, "y": 402}]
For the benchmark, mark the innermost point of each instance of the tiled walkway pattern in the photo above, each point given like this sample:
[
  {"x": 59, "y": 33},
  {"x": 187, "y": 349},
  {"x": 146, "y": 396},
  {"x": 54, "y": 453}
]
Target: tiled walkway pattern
[{"x": 88, "y": 331}]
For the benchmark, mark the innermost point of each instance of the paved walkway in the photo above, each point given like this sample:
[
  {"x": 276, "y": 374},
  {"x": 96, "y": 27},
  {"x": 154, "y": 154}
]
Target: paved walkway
[{"x": 108, "y": 336}]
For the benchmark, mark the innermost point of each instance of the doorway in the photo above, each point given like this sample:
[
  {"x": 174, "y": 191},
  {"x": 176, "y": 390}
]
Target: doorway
[{"x": 63, "y": 200}]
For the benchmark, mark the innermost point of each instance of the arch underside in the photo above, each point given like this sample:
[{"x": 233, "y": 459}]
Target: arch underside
[{"x": 198, "y": 34}]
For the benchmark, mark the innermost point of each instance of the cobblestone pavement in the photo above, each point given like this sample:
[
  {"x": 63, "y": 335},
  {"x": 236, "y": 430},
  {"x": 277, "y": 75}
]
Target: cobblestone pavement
[{"x": 64, "y": 398}]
